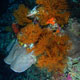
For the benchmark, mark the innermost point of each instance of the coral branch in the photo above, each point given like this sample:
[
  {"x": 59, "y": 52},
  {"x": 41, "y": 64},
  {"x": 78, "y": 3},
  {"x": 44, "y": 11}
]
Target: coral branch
[{"x": 21, "y": 15}]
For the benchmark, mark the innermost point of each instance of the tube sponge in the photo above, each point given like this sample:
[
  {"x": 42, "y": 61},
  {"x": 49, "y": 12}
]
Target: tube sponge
[{"x": 18, "y": 59}]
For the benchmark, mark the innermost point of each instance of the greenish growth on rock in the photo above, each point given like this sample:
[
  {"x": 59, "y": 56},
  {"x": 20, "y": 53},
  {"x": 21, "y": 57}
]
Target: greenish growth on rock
[
  {"x": 34, "y": 73},
  {"x": 73, "y": 68}
]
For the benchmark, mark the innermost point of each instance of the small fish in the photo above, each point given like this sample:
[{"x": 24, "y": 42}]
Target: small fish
[
  {"x": 51, "y": 21},
  {"x": 58, "y": 30}
]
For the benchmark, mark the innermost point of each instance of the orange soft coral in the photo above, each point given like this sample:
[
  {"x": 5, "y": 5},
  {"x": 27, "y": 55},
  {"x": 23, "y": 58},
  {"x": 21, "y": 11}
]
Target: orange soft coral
[
  {"x": 21, "y": 15},
  {"x": 29, "y": 34},
  {"x": 54, "y": 52},
  {"x": 51, "y": 49},
  {"x": 53, "y": 8}
]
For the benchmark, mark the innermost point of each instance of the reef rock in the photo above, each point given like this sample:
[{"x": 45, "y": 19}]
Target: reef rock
[{"x": 73, "y": 31}]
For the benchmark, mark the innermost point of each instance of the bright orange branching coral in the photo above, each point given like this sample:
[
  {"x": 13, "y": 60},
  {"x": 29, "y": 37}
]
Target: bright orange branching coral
[
  {"x": 21, "y": 15},
  {"x": 53, "y": 8},
  {"x": 29, "y": 34}
]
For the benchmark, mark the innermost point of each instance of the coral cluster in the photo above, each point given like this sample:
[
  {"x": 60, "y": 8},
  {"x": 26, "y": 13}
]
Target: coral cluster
[
  {"x": 51, "y": 49},
  {"x": 29, "y": 34},
  {"x": 44, "y": 43}
]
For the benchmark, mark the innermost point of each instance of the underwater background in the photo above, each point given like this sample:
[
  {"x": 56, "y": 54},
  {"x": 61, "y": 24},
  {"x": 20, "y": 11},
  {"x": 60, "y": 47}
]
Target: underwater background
[{"x": 8, "y": 34}]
